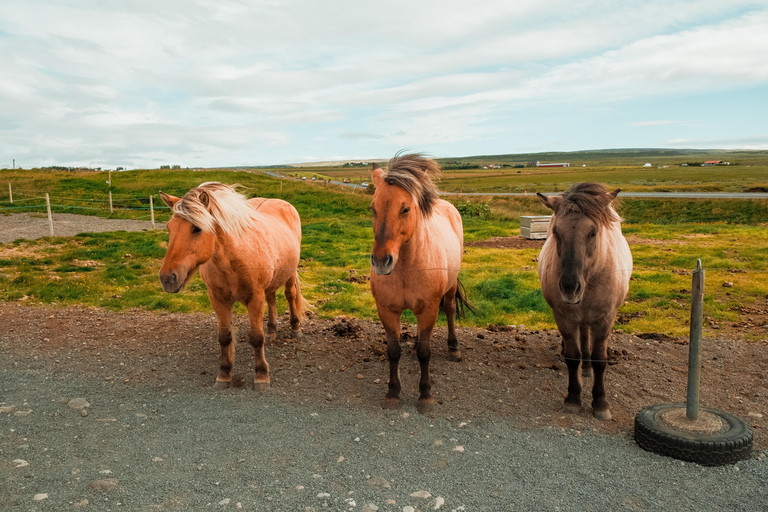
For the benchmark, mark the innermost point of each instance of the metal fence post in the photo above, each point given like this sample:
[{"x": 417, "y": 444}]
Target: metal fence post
[{"x": 694, "y": 348}]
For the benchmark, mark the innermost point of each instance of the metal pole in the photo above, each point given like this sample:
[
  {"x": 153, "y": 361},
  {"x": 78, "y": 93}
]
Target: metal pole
[
  {"x": 694, "y": 348},
  {"x": 110, "y": 202},
  {"x": 50, "y": 217},
  {"x": 152, "y": 211},
  {"x": 10, "y": 192}
]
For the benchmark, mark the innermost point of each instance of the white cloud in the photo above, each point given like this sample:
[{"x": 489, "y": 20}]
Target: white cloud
[{"x": 151, "y": 80}]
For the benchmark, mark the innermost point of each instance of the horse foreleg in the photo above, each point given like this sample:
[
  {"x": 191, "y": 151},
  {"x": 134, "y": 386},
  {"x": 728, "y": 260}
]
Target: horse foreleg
[
  {"x": 256, "y": 339},
  {"x": 572, "y": 361},
  {"x": 586, "y": 352},
  {"x": 449, "y": 306},
  {"x": 293, "y": 296},
  {"x": 600, "y": 407},
  {"x": 391, "y": 323},
  {"x": 271, "y": 317},
  {"x": 426, "y": 322},
  {"x": 227, "y": 359}
]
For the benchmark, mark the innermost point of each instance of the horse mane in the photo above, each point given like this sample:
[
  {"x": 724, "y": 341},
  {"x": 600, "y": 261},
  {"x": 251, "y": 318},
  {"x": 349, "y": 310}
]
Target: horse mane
[
  {"x": 413, "y": 173},
  {"x": 591, "y": 200},
  {"x": 213, "y": 205}
]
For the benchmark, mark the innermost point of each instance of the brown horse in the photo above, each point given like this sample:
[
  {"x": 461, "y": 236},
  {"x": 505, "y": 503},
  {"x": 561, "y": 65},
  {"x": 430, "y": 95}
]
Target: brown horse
[
  {"x": 584, "y": 269},
  {"x": 246, "y": 250},
  {"x": 417, "y": 252}
]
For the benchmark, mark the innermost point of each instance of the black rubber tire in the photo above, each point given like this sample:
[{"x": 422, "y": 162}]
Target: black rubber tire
[{"x": 725, "y": 447}]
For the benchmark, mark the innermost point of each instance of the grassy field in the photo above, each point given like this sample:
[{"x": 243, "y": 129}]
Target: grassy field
[{"x": 119, "y": 270}]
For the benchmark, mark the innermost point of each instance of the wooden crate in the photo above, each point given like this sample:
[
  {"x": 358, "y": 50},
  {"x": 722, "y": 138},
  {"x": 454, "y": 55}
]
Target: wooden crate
[{"x": 534, "y": 227}]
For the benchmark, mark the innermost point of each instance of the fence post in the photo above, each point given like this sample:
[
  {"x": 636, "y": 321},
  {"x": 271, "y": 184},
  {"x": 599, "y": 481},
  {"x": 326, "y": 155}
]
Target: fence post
[
  {"x": 152, "y": 211},
  {"x": 110, "y": 178},
  {"x": 694, "y": 348},
  {"x": 48, "y": 206},
  {"x": 110, "y": 202},
  {"x": 10, "y": 192}
]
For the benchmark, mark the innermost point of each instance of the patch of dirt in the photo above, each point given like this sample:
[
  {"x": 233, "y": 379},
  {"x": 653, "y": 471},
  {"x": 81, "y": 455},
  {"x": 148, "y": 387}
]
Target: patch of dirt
[
  {"x": 506, "y": 374},
  {"x": 507, "y": 242}
]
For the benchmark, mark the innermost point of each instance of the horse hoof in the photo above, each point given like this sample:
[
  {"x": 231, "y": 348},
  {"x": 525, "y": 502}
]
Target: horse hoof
[
  {"x": 261, "y": 386},
  {"x": 586, "y": 373},
  {"x": 269, "y": 338},
  {"x": 571, "y": 408},
  {"x": 602, "y": 415},
  {"x": 391, "y": 403},
  {"x": 221, "y": 385},
  {"x": 426, "y": 406},
  {"x": 297, "y": 334},
  {"x": 454, "y": 356}
]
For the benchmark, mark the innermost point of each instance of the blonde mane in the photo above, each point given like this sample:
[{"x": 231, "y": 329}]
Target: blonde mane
[{"x": 216, "y": 205}]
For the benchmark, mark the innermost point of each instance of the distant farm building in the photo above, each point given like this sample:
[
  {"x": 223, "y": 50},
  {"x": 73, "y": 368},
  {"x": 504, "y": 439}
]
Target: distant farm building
[
  {"x": 714, "y": 162},
  {"x": 647, "y": 165},
  {"x": 565, "y": 164}
]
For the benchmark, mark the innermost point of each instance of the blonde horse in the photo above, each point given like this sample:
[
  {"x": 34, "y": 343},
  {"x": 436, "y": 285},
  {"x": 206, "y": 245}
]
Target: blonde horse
[
  {"x": 246, "y": 250},
  {"x": 415, "y": 261},
  {"x": 584, "y": 269}
]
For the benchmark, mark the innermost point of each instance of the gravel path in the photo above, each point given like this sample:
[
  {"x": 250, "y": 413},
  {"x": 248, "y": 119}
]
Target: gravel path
[
  {"x": 31, "y": 226},
  {"x": 155, "y": 448}
]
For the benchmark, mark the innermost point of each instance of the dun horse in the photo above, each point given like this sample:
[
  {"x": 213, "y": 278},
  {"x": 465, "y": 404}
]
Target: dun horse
[
  {"x": 417, "y": 252},
  {"x": 584, "y": 269},
  {"x": 246, "y": 250}
]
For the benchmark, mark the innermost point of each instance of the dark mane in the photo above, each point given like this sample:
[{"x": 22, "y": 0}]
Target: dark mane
[
  {"x": 413, "y": 174},
  {"x": 591, "y": 200}
]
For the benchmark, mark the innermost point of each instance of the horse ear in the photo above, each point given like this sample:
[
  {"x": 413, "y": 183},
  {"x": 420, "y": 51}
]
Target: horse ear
[
  {"x": 550, "y": 202},
  {"x": 204, "y": 198},
  {"x": 378, "y": 175},
  {"x": 614, "y": 193},
  {"x": 169, "y": 200}
]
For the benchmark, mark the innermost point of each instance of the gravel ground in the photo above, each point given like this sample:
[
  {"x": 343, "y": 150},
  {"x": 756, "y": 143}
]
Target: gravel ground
[
  {"x": 155, "y": 448},
  {"x": 31, "y": 226},
  {"x": 153, "y": 435}
]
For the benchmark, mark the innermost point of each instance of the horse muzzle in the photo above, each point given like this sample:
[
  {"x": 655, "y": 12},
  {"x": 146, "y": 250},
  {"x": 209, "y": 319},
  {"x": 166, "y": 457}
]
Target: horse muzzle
[
  {"x": 571, "y": 294},
  {"x": 383, "y": 266},
  {"x": 170, "y": 282}
]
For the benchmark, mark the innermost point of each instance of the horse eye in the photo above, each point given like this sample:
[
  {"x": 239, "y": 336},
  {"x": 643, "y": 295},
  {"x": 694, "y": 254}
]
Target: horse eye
[
  {"x": 405, "y": 210},
  {"x": 593, "y": 233},
  {"x": 196, "y": 229}
]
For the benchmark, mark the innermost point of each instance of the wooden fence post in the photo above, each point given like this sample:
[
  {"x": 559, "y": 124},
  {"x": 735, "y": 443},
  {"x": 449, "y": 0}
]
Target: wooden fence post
[
  {"x": 110, "y": 202},
  {"x": 50, "y": 217},
  {"x": 10, "y": 192},
  {"x": 152, "y": 211}
]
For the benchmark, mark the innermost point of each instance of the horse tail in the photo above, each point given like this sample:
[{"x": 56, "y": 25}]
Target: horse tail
[
  {"x": 460, "y": 299},
  {"x": 301, "y": 304}
]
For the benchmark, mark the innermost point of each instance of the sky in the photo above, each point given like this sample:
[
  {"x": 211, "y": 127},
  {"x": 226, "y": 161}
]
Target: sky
[{"x": 198, "y": 83}]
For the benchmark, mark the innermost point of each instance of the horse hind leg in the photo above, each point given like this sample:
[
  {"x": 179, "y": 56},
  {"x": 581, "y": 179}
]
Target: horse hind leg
[
  {"x": 586, "y": 352},
  {"x": 295, "y": 304},
  {"x": 271, "y": 318},
  {"x": 449, "y": 306}
]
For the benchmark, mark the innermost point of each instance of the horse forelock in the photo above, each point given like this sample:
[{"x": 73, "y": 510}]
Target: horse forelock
[
  {"x": 591, "y": 200},
  {"x": 413, "y": 173},
  {"x": 216, "y": 205}
]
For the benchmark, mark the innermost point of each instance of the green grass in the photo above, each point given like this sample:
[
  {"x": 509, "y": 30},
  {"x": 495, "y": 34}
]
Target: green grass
[{"x": 118, "y": 270}]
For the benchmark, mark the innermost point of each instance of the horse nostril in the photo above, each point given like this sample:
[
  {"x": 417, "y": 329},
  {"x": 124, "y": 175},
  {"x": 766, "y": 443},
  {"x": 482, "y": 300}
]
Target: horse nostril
[{"x": 390, "y": 260}]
